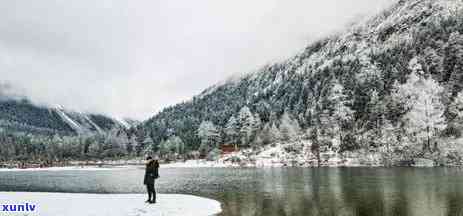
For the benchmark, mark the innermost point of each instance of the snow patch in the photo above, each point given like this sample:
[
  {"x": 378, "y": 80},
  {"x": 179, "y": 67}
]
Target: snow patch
[
  {"x": 69, "y": 168},
  {"x": 74, "y": 125},
  {"x": 197, "y": 164},
  {"x": 67, "y": 204},
  {"x": 122, "y": 122},
  {"x": 93, "y": 124}
]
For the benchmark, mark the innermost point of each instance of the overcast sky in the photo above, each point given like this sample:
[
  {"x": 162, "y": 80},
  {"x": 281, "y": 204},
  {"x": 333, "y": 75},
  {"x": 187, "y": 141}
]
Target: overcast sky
[{"x": 132, "y": 58}]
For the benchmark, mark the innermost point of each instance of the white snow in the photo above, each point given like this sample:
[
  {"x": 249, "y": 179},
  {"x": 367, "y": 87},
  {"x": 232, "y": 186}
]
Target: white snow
[
  {"x": 85, "y": 168},
  {"x": 284, "y": 154},
  {"x": 122, "y": 122},
  {"x": 74, "y": 125},
  {"x": 196, "y": 164},
  {"x": 93, "y": 124},
  {"x": 67, "y": 204}
]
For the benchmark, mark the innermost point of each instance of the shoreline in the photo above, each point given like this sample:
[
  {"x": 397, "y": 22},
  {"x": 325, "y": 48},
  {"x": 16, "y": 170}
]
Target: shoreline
[{"x": 214, "y": 164}]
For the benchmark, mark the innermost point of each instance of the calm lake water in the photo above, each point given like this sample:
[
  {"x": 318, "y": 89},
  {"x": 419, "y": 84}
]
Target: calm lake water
[{"x": 275, "y": 191}]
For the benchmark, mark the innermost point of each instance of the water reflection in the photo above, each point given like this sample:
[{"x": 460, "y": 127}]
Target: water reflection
[
  {"x": 352, "y": 191},
  {"x": 279, "y": 191}
]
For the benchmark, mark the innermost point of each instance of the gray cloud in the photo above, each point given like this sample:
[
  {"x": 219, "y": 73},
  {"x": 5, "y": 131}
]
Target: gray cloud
[{"x": 132, "y": 58}]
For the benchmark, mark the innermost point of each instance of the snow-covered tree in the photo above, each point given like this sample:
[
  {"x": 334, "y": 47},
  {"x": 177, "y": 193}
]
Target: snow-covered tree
[
  {"x": 341, "y": 113},
  {"x": 209, "y": 135},
  {"x": 232, "y": 130},
  {"x": 270, "y": 134},
  {"x": 453, "y": 63},
  {"x": 339, "y": 101},
  {"x": 149, "y": 146},
  {"x": 388, "y": 141},
  {"x": 289, "y": 127},
  {"x": 258, "y": 141},
  {"x": 173, "y": 146},
  {"x": 369, "y": 71},
  {"x": 131, "y": 145},
  {"x": 415, "y": 66},
  {"x": 122, "y": 141},
  {"x": 456, "y": 78},
  {"x": 434, "y": 64},
  {"x": 163, "y": 148},
  {"x": 421, "y": 98},
  {"x": 257, "y": 124},
  {"x": 456, "y": 110},
  {"x": 247, "y": 125},
  {"x": 275, "y": 133},
  {"x": 177, "y": 145},
  {"x": 377, "y": 109}
]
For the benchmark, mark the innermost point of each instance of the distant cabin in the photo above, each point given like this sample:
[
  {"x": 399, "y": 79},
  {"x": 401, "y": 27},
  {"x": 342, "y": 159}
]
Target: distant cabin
[{"x": 227, "y": 149}]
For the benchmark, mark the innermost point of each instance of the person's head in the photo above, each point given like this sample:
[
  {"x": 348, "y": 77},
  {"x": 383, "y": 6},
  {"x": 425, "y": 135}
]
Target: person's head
[
  {"x": 149, "y": 158},
  {"x": 156, "y": 157}
]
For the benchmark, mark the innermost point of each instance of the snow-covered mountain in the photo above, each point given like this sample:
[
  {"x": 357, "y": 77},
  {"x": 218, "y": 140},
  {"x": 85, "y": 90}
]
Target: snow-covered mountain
[
  {"x": 23, "y": 116},
  {"x": 342, "y": 92}
]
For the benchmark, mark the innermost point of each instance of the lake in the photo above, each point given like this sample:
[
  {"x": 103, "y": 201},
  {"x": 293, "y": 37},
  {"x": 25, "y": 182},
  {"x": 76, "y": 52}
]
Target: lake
[{"x": 275, "y": 191}]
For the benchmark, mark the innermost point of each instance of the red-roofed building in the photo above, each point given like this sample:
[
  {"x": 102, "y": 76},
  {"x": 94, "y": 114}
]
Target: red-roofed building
[{"x": 227, "y": 149}]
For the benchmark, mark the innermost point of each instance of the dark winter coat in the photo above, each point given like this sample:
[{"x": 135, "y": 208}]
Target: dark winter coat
[{"x": 151, "y": 172}]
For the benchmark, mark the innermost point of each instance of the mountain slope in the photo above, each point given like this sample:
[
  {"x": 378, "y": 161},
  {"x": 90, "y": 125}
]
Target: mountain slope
[
  {"x": 357, "y": 71},
  {"x": 23, "y": 116}
]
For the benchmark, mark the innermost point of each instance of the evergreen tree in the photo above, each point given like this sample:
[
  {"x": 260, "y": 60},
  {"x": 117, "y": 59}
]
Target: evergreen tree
[
  {"x": 377, "y": 109},
  {"x": 434, "y": 64},
  {"x": 163, "y": 148},
  {"x": 289, "y": 128},
  {"x": 421, "y": 97},
  {"x": 453, "y": 58},
  {"x": 388, "y": 140},
  {"x": 456, "y": 110},
  {"x": 232, "y": 130},
  {"x": 342, "y": 114},
  {"x": 247, "y": 126},
  {"x": 149, "y": 146},
  {"x": 275, "y": 134},
  {"x": 132, "y": 145},
  {"x": 209, "y": 135},
  {"x": 177, "y": 145}
]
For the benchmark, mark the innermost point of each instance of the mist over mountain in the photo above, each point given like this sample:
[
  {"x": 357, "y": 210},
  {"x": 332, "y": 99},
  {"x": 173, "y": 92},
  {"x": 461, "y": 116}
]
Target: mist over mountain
[
  {"x": 21, "y": 115},
  {"x": 43, "y": 134},
  {"x": 133, "y": 58}
]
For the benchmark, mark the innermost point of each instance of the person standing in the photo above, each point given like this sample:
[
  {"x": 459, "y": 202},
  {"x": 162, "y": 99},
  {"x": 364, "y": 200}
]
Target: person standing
[{"x": 151, "y": 173}]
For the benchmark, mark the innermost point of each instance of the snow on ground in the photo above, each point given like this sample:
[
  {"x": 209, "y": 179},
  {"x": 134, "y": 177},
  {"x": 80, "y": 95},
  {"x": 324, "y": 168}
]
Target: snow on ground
[
  {"x": 268, "y": 156},
  {"x": 287, "y": 154},
  {"x": 196, "y": 164},
  {"x": 67, "y": 204},
  {"x": 84, "y": 168}
]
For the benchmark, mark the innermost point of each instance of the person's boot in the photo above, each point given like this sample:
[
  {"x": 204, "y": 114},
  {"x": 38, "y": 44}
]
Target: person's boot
[
  {"x": 154, "y": 199},
  {"x": 149, "y": 198}
]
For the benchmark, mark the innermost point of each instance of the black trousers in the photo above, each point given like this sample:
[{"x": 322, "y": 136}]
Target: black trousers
[{"x": 151, "y": 191}]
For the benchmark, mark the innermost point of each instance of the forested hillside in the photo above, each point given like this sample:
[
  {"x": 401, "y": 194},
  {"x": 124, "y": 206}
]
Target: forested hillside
[
  {"x": 392, "y": 84},
  {"x": 36, "y": 133}
]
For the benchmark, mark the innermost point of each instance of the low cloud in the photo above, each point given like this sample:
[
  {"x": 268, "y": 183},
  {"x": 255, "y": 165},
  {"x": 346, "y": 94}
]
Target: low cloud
[{"x": 132, "y": 58}]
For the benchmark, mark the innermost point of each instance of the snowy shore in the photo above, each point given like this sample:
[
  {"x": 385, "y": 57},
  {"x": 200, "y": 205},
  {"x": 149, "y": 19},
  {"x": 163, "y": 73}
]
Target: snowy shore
[
  {"x": 300, "y": 155},
  {"x": 67, "y": 168},
  {"x": 67, "y": 204},
  {"x": 198, "y": 164},
  {"x": 280, "y": 155}
]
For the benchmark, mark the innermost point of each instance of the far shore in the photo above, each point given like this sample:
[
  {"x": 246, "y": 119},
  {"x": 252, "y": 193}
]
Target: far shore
[{"x": 190, "y": 164}]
